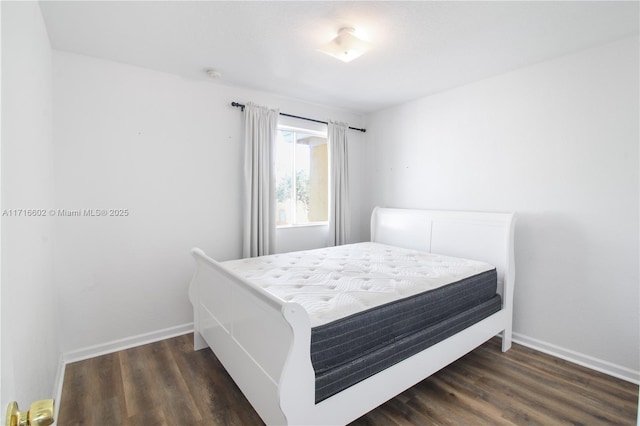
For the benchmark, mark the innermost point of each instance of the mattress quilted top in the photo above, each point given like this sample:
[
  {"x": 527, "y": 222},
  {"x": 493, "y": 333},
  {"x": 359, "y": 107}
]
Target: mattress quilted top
[{"x": 335, "y": 282}]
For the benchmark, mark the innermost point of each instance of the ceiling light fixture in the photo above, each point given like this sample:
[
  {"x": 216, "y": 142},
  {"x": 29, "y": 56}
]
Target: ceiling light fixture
[{"x": 345, "y": 46}]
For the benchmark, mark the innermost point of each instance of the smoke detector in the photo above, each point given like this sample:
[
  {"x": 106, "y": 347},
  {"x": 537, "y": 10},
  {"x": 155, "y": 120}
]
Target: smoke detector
[{"x": 213, "y": 73}]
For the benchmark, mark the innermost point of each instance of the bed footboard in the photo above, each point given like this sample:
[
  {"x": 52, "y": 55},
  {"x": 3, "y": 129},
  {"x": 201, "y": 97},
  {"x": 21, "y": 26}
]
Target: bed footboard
[{"x": 250, "y": 332}]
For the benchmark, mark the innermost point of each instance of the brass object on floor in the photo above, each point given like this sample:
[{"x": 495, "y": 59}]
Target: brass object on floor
[{"x": 40, "y": 414}]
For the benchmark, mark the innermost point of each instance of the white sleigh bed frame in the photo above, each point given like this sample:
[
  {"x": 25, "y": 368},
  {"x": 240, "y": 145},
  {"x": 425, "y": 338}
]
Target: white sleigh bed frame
[{"x": 264, "y": 342}]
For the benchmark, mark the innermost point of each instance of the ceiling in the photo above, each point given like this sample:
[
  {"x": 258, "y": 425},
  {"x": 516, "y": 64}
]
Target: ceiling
[{"x": 419, "y": 48}]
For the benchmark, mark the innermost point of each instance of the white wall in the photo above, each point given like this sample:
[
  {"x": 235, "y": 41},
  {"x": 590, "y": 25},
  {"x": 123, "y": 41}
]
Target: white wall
[
  {"x": 30, "y": 350},
  {"x": 558, "y": 143},
  {"x": 170, "y": 151}
]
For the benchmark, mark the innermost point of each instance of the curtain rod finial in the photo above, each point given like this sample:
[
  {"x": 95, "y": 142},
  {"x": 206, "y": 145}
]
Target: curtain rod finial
[{"x": 238, "y": 105}]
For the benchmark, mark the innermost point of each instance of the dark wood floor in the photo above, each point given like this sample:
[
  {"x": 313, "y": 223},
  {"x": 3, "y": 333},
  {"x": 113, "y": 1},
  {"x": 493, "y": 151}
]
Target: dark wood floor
[{"x": 167, "y": 383}]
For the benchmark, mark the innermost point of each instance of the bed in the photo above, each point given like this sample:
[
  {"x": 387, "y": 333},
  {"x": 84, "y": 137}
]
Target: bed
[{"x": 266, "y": 341}]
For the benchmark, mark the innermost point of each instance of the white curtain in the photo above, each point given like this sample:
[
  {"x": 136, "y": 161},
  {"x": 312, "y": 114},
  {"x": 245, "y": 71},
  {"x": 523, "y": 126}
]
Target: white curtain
[
  {"x": 339, "y": 211},
  {"x": 260, "y": 128}
]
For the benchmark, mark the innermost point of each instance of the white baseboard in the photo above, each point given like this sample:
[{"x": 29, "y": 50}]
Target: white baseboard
[
  {"x": 605, "y": 367},
  {"x": 57, "y": 388},
  {"x": 126, "y": 343}
]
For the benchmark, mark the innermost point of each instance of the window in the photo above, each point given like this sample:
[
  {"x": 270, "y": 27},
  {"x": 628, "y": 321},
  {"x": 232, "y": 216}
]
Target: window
[{"x": 302, "y": 177}]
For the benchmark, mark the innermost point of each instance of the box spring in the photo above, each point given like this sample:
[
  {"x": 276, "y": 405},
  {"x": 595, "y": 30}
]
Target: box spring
[{"x": 351, "y": 349}]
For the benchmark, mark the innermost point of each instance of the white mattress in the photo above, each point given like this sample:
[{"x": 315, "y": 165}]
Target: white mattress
[{"x": 335, "y": 282}]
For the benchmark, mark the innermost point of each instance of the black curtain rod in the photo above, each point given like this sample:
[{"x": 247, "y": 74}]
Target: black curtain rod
[{"x": 241, "y": 106}]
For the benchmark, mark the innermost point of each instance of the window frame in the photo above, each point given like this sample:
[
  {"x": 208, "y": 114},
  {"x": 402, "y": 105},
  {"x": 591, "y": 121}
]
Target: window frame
[{"x": 320, "y": 133}]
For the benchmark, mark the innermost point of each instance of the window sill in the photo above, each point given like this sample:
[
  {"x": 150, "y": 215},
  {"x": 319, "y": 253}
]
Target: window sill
[{"x": 304, "y": 225}]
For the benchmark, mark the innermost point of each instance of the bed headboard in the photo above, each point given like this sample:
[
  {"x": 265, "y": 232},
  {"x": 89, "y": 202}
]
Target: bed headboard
[{"x": 473, "y": 235}]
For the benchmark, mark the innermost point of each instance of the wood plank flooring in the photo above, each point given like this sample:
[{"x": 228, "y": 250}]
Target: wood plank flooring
[{"x": 167, "y": 383}]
